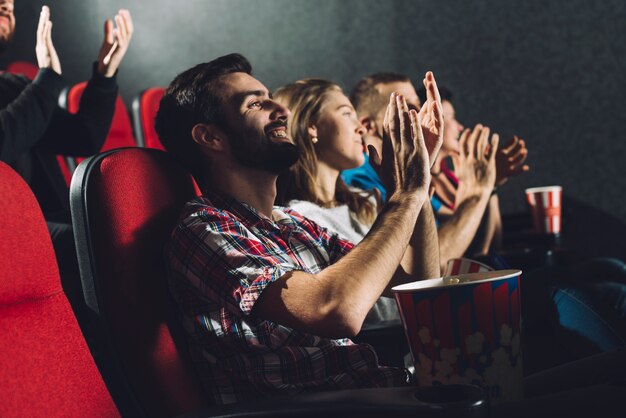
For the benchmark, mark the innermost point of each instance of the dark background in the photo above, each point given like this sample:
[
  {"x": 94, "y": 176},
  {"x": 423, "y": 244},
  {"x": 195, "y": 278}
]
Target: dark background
[{"x": 552, "y": 72}]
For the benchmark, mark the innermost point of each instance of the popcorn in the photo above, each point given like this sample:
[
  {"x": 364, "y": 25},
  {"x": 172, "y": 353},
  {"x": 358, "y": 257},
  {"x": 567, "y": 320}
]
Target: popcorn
[
  {"x": 474, "y": 343},
  {"x": 424, "y": 334},
  {"x": 443, "y": 368},
  {"x": 449, "y": 354},
  {"x": 506, "y": 333}
]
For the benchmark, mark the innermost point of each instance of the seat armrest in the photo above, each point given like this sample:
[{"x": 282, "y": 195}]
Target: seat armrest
[{"x": 425, "y": 402}]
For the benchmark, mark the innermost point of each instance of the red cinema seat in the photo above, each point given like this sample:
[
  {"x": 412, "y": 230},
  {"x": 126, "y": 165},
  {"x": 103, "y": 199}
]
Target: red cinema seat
[
  {"x": 46, "y": 368},
  {"x": 125, "y": 203},
  {"x": 145, "y": 107},
  {"x": 121, "y": 132},
  {"x": 25, "y": 68}
]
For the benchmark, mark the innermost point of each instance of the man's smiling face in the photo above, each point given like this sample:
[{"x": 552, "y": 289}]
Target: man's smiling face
[{"x": 255, "y": 124}]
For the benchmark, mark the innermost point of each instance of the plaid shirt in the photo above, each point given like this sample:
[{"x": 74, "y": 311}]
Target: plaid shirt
[{"x": 221, "y": 257}]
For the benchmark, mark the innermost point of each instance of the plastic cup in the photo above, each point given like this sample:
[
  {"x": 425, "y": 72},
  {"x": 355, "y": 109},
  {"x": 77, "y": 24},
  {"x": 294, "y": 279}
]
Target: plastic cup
[{"x": 545, "y": 208}]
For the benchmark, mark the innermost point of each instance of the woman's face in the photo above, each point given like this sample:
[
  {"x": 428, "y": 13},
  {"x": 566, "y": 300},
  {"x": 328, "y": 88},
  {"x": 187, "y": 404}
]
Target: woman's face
[
  {"x": 339, "y": 133},
  {"x": 451, "y": 128}
]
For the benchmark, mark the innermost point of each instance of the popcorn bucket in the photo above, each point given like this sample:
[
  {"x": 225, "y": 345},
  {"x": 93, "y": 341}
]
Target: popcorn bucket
[
  {"x": 465, "y": 329},
  {"x": 463, "y": 266},
  {"x": 545, "y": 208}
]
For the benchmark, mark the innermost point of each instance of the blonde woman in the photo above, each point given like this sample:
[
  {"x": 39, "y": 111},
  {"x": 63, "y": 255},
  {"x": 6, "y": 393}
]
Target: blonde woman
[{"x": 325, "y": 127}]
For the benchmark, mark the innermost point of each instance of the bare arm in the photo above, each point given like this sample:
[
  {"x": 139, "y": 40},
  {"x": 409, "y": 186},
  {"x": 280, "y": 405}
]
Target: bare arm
[
  {"x": 489, "y": 234},
  {"x": 335, "y": 302},
  {"x": 509, "y": 162},
  {"x": 476, "y": 170},
  {"x": 421, "y": 258},
  {"x": 494, "y": 222}
]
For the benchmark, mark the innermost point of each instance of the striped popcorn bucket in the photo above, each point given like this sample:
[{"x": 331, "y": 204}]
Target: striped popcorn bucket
[
  {"x": 545, "y": 207},
  {"x": 466, "y": 330},
  {"x": 463, "y": 266}
]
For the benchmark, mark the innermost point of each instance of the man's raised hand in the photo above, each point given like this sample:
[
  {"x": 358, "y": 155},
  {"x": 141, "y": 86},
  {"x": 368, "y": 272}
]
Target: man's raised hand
[
  {"x": 115, "y": 43},
  {"x": 475, "y": 165},
  {"x": 46, "y": 54},
  {"x": 510, "y": 160},
  {"x": 431, "y": 115},
  {"x": 405, "y": 165}
]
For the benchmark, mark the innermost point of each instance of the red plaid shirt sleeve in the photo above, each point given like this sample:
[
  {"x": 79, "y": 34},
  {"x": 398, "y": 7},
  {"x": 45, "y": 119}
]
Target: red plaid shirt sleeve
[
  {"x": 220, "y": 261},
  {"x": 230, "y": 264}
]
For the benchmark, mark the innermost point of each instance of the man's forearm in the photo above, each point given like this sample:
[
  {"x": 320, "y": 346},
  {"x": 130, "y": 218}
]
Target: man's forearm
[
  {"x": 489, "y": 234},
  {"x": 335, "y": 301},
  {"x": 458, "y": 231},
  {"x": 376, "y": 260},
  {"x": 421, "y": 258}
]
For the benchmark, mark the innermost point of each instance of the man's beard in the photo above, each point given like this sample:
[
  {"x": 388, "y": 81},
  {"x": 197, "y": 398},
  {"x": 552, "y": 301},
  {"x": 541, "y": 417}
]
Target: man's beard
[{"x": 263, "y": 154}]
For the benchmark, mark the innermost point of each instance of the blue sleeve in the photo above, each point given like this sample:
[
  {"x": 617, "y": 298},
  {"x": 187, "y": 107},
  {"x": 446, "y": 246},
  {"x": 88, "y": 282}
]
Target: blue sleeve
[
  {"x": 436, "y": 204},
  {"x": 364, "y": 178}
]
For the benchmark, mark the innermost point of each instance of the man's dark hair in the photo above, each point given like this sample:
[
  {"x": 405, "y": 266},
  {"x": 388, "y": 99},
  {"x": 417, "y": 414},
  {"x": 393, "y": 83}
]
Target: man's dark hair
[
  {"x": 444, "y": 93},
  {"x": 194, "y": 97},
  {"x": 366, "y": 99}
]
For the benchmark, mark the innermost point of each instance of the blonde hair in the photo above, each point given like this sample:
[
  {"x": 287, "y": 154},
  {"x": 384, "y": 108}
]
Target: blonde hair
[{"x": 305, "y": 99}]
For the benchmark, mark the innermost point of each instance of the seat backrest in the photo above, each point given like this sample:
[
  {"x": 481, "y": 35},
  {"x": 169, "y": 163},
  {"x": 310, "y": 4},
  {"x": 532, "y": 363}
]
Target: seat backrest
[
  {"x": 125, "y": 203},
  {"x": 121, "y": 132},
  {"x": 46, "y": 368},
  {"x": 25, "y": 68},
  {"x": 145, "y": 107}
]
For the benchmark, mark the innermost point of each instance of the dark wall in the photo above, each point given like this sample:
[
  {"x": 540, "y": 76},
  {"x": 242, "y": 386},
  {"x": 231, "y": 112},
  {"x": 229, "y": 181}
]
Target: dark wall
[{"x": 551, "y": 71}]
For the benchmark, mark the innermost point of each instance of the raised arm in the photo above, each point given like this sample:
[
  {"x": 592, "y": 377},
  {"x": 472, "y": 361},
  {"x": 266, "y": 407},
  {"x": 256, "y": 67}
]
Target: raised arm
[
  {"x": 115, "y": 43},
  {"x": 28, "y": 107},
  {"x": 46, "y": 53},
  {"x": 510, "y": 160},
  {"x": 334, "y": 302},
  {"x": 476, "y": 169},
  {"x": 84, "y": 133},
  {"x": 421, "y": 258}
]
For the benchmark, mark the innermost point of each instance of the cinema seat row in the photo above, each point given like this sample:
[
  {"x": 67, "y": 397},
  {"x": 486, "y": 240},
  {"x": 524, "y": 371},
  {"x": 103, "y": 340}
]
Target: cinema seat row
[
  {"x": 128, "y": 129},
  {"x": 124, "y": 202}
]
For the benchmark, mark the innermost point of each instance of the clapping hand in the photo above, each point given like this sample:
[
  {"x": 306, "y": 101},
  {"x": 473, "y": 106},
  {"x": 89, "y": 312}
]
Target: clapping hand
[
  {"x": 510, "y": 160},
  {"x": 115, "y": 44},
  {"x": 46, "y": 54},
  {"x": 405, "y": 165},
  {"x": 431, "y": 115},
  {"x": 475, "y": 165}
]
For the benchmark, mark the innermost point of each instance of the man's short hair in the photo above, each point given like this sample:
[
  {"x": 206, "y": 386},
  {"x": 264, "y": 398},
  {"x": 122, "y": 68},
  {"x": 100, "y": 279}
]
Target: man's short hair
[
  {"x": 366, "y": 98},
  {"x": 194, "y": 97}
]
